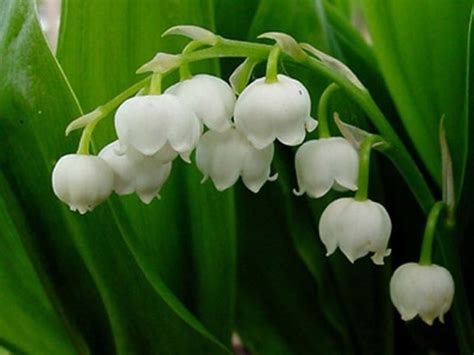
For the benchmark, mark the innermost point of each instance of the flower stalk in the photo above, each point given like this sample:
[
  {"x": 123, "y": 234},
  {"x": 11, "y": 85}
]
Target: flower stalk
[
  {"x": 184, "y": 71},
  {"x": 364, "y": 165},
  {"x": 233, "y": 48},
  {"x": 272, "y": 65},
  {"x": 430, "y": 231},
  {"x": 155, "y": 84},
  {"x": 324, "y": 131}
]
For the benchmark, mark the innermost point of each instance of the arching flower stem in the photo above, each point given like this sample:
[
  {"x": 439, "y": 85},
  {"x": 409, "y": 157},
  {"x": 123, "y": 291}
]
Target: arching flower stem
[
  {"x": 232, "y": 48},
  {"x": 430, "y": 232},
  {"x": 323, "y": 128},
  {"x": 103, "y": 111},
  {"x": 364, "y": 165}
]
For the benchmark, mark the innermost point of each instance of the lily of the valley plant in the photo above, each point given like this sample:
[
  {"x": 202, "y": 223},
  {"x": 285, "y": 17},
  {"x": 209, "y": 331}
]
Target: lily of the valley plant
[
  {"x": 154, "y": 128},
  {"x": 210, "y": 177}
]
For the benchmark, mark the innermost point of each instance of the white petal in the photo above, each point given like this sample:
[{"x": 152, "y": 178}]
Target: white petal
[
  {"x": 310, "y": 124},
  {"x": 365, "y": 227},
  {"x": 313, "y": 168},
  {"x": 210, "y": 97},
  {"x": 142, "y": 122},
  {"x": 257, "y": 167},
  {"x": 291, "y": 134},
  {"x": 329, "y": 226},
  {"x": 325, "y": 163},
  {"x": 426, "y": 290},
  {"x": 150, "y": 178},
  {"x": 346, "y": 163},
  {"x": 264, "y": 112},
  {"x": 357, "y": 227},
  {"x": 82, "y": 181},
  {"x": 184, "y": 128},
  {"x": 220, "y": 156},
  {"x": 122, "y": 167},
  {"x": 165, "y": 155}
]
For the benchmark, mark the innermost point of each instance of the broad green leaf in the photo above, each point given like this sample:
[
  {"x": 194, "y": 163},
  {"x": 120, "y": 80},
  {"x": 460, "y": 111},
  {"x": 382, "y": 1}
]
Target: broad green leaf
[
  {"x": 420, "y": 47},
  {"x": 26, "y": 312},
  {"x": 95, "y": 279},
  {"x": 278, "y": 310},
  {"x": 187, "y": 238},
  {"x": 304, "y": 23},
  {"x": 33, "y": 95},
  {"x": 468, "y": 185}
]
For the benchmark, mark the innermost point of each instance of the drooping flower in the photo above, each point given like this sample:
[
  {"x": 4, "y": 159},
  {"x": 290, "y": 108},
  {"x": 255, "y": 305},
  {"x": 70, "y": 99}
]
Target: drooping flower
[
  {"x": 357, "y": 228},
  {"x": 148, "y": 123},
  {"x": 324, "y": 164},
  {"x": 280, "y": 110},
  {"x": 226, "y": 156},
  {"x": 82, "y": 181},
  {"x": 210, "y": 97},
  {"x": 424, "y": 290},
  {"x": 145, "y": 176}
]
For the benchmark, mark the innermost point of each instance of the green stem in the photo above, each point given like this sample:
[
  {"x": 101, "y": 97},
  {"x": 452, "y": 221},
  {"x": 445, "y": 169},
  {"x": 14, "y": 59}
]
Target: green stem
[
  {"x": 399, "y": 154},
  {"x": 104, "y": 110},
  {"x": 86, "y": 137},
  {"x": 364, "y": 166},
  {"x": 184, "y": 71},
  {"x": 323, "y": 127},
  {"x": 271, "y": 74},
  {"x": 430, "y": 232},
  {"x": 155, "y": 84}
]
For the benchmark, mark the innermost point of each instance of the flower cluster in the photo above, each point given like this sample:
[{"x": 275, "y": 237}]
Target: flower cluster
[
  {"x": 234, "y": 137},
  {"x": 155, "y": 129}
]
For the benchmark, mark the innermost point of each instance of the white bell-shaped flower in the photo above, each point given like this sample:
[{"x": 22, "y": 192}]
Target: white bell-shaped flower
[
  {"x": 326, "y": 163},
  {"x": 145, "y": 176},
  {"x": 280, "y": 110},
  {"x": 210, "y": 97},
  {"x": 148, "y": 123},
  {"x": 82, "y": 181},
  {"x": 424, "y": 290},
  {"x": 227, "y": 155},
  {"x": 357, "y": 228}
]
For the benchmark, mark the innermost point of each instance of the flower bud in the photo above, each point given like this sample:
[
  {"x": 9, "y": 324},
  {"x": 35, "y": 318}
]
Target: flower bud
[
  {"x": 324, "y": 164},
  {"x": 210, "y": 97},
  {"x": 357, "y": 228},
  {"x": 226, "y": 156},
  {"x": 280, "y": 110},
  {"x": 425, "y": 290},
  {"x": 144, "y": 176},
  {"x": 148, "y": 123},
  {"x": 82, "y": 181}
]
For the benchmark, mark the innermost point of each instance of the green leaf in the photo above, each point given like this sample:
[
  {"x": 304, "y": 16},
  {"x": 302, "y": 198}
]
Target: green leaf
[
  {"x": 27, "y": 312},
  {"x": 276, "y": 290},
  {"x": 187, "y": 239},
  {"x": 425, "y": 71},
  {"x": 96, "y": 283}
]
